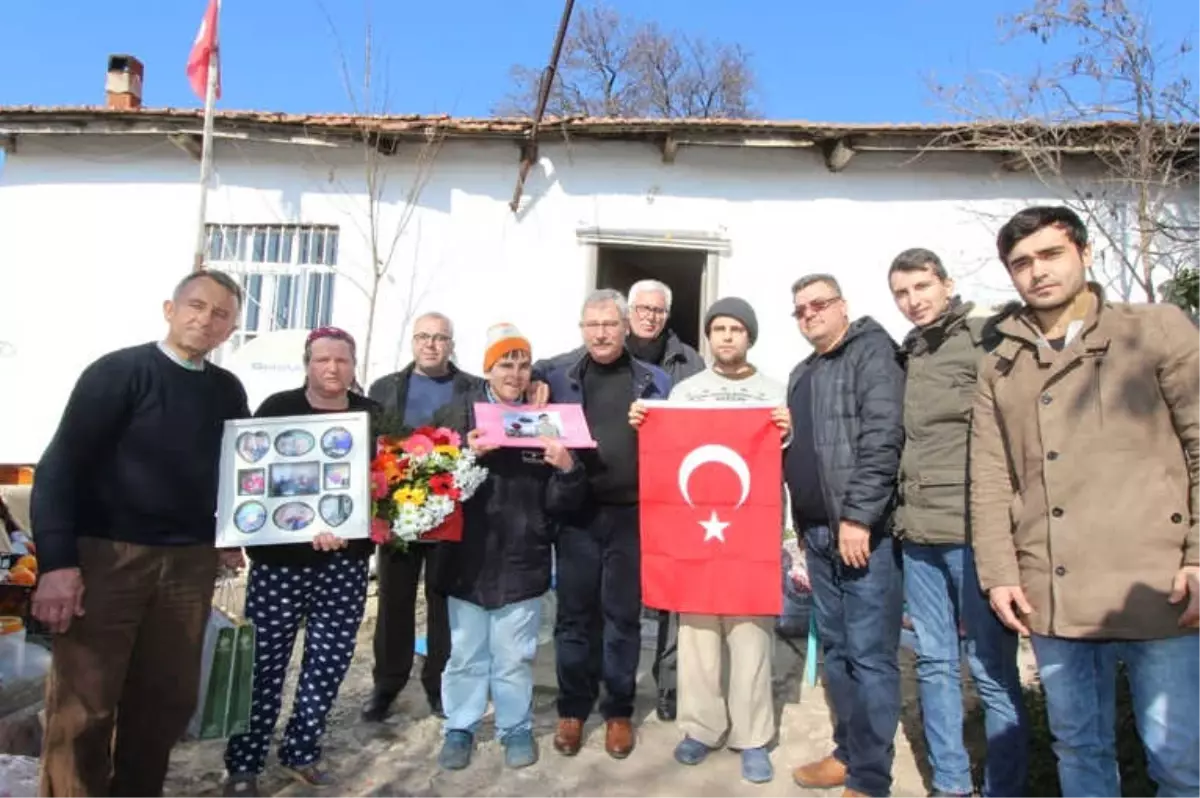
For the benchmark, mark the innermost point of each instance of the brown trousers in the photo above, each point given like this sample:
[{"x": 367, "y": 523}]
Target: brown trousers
[{"x": 124, "y": 677}]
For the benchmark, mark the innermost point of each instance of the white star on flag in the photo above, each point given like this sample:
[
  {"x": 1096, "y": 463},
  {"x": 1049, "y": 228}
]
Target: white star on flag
[{"x": 714, "y": 528}]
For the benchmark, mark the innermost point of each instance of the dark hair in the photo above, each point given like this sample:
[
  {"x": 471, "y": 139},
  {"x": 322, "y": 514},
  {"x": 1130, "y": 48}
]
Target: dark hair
[
  {"x": 1030, "y": 220},
  {"x": 219, "y": 277},
  {"x": 813, "y": 279},
  {"x": 919, "y": 259}
]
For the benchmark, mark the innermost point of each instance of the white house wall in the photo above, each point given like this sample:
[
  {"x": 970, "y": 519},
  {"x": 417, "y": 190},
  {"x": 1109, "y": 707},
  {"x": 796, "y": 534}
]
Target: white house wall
[{"x": 94, "y": 232}]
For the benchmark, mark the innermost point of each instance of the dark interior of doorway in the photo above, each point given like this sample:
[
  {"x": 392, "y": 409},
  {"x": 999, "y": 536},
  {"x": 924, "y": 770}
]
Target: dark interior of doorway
[{"x": 681, "y": 269}]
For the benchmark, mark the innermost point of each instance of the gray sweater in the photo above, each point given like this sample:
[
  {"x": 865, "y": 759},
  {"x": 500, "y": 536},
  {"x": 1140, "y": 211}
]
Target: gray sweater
[{"x": 709, "y": 386}]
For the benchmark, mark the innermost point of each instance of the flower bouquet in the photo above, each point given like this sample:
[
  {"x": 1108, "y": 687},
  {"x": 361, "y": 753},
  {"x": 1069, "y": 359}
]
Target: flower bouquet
[{"x": 418, "y": 485}]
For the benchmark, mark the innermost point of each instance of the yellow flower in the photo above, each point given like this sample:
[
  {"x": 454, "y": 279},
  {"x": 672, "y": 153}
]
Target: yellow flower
[
  {"x": 447, "y": 449},
  {"x": 409, "y": 496}
]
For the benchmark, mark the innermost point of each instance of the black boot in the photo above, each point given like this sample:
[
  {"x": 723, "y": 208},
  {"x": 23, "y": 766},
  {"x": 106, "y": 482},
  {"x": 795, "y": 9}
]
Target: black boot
[
  {"x": 666, "y": 705},
  {"x": 376, "y": 709}
]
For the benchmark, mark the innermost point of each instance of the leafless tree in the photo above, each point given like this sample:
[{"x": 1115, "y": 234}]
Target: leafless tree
[
  {"x": 384, "y": 221},
  {"x": 616, "y": 67},
  {"x": 1132, "y": 178}
]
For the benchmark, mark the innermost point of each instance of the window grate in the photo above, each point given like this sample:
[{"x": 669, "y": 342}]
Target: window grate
[{"x": 286, "y": 271}]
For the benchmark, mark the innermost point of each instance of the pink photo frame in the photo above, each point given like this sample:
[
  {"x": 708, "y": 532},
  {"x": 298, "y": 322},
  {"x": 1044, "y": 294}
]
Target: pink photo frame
[{"x": 522, "y": 426}]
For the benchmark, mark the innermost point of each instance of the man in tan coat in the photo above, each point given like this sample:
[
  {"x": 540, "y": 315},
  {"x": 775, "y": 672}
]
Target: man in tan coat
[{"x": 1083, "y": 503}]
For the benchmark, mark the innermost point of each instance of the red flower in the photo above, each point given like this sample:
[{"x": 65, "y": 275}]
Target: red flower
[
  {"x": 381, "y": 531},
  {"x": 428, "y": 432},
  {"x": 442, "y": 484},
  {"x": 379, "y": 485}
]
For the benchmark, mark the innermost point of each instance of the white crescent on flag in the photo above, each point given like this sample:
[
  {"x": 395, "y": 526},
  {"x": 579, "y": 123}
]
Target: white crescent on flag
[{"x": 714, "y": 527}]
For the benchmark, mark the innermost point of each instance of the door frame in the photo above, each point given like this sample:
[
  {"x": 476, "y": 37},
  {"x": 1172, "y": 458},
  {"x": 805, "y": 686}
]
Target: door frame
[{"x": 713, "y": 245}]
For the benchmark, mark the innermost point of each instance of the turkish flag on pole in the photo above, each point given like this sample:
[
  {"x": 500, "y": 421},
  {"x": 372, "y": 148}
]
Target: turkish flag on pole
[
  {"x": 202, "y": 56},
  {"x": 711, "y": 509}
]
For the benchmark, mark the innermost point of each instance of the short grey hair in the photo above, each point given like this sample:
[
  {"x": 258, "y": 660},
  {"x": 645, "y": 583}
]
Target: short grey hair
[
  {"x": 215, "y": 275},
  {"x": 433, "y": 314},
  {"x": 813, "y": 279},
  {"x": 650, "y": 287},
  {"x": 602, "y": 296}
]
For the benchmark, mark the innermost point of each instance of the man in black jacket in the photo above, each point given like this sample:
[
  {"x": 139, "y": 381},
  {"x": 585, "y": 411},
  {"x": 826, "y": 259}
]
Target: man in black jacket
[
  {"x": 651, "y": 341},
  {"x": 847, "y": 403},
  {"x": 597, "y": 554},
  {"x": 410, "y": 398}
]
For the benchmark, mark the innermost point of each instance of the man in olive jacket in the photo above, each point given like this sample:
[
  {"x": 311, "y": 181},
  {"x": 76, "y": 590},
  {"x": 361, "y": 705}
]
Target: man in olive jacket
[
  {"x": 1083, "y": 500},
  {"x": 941, "y": 589}
]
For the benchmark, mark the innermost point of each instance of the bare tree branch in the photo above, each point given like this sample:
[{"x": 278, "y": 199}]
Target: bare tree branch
[
  {"x": 1132, "y": 186},
  {"x": 612, "y": 67},
  {"x": 382, "y": 221}
]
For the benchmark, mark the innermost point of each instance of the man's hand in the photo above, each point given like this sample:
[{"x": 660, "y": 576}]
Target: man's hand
[
  {"x": 233, "y": 559},
  {"x": 854, "y": 544},
  {"x": 637, "y": 414},
  {"x": 539, "y": 393},
  {"x": 783, "y": 419},
  {"x": 58, "y": 599},
  {"x": 1187, "y": 583},
  {"x": 557, "y": 454},
  {"x": 327, "y": 541},
  {"x": 1003, "y": 599},
  {"x": 476, "y": 446}
]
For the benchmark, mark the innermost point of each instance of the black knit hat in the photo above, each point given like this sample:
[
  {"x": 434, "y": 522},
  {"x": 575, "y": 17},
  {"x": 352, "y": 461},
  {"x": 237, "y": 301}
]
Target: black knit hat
[{"x": 735, "y": 308}]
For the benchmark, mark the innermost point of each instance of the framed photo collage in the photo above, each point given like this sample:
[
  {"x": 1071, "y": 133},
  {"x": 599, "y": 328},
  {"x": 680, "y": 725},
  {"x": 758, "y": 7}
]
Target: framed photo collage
[{"x": 285, "y": 480}]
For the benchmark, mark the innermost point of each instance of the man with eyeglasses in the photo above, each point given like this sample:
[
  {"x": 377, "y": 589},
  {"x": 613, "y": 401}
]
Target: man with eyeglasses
[
  {"x": 847, "y": 402},
  {"x": 597, "y": 636},
  {"x": 650, "y": 341},
  {"x": 410, "y": 398}
]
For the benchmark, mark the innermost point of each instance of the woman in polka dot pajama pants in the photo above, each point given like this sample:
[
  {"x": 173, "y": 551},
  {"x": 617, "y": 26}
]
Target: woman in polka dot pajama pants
[
  {"x": 322, "y": 585},
  {"x": 329, "y": 597}
]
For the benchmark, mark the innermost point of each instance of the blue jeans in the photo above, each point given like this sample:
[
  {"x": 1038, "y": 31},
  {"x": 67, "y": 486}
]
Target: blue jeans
[
  {"x": 491, "y": 651},
  {"x": 942, "y": 589},
  {"x": 1080, "y": 680},
  {"x": 858, "y": 612}
]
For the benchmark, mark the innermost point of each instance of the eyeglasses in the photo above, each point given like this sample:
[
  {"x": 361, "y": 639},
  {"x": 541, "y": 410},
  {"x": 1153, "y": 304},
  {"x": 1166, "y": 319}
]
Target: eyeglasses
[
  {"x": 649, "y": 311},
  {"x": 436, "y": 338},
  {"x": 594, "y": 326},
  {"x": 816, "y": 306}
]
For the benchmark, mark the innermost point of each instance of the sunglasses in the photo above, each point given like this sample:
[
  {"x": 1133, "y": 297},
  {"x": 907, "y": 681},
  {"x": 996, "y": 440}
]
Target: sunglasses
[{"x": 816, "y": 306}]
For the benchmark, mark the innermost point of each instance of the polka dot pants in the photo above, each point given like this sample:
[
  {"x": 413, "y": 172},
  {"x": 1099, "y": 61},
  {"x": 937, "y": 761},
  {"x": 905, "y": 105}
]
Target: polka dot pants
[{"x": 329, "y": 598}]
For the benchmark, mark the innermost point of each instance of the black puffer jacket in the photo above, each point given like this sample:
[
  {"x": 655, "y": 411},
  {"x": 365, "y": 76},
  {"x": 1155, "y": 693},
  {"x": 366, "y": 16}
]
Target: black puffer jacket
[
  {"x": 505, "y": 553},
  {"x": 858, "y": 423}
]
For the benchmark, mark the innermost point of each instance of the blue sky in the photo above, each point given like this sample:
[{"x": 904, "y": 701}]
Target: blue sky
[{"x": 814, "y": 60}]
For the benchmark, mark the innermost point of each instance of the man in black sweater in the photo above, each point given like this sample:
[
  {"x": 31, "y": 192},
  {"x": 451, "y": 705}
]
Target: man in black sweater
[
  {"x": 410, "y": 398},
  {"x": 123, "y": 508},
  {"x": 598, "y": 553}
]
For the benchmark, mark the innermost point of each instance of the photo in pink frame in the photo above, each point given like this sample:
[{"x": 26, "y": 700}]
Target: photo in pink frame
[{"x": 521, "y": 426}]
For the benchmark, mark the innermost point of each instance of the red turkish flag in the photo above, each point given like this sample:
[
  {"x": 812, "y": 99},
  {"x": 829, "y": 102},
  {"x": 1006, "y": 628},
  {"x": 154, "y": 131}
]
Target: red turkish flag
[
  {"x": 711, "y": 509},
  {"x": 203, "y": 54}
]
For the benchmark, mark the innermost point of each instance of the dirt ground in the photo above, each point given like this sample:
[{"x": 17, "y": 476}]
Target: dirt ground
[{"x": 398, "y": 757}]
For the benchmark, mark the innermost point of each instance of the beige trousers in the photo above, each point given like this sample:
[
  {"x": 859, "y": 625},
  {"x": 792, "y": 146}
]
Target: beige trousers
[{"x": 704, "y": 714}]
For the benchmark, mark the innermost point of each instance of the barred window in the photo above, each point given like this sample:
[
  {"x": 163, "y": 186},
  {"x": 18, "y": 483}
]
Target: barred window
[{"x": 287, "y": 272}]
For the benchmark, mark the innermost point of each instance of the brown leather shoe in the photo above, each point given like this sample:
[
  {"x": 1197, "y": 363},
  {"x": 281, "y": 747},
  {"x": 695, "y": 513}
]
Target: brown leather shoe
[
  {"x": 618, "y": 737},
  {"x": 821, "y": 775},
  {"x": 568, "y": 737}
]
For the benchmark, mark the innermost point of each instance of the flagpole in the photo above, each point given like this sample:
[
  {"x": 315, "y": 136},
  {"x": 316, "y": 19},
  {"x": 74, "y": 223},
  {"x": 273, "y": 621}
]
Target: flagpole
[{"x": 206, "y": 150}]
